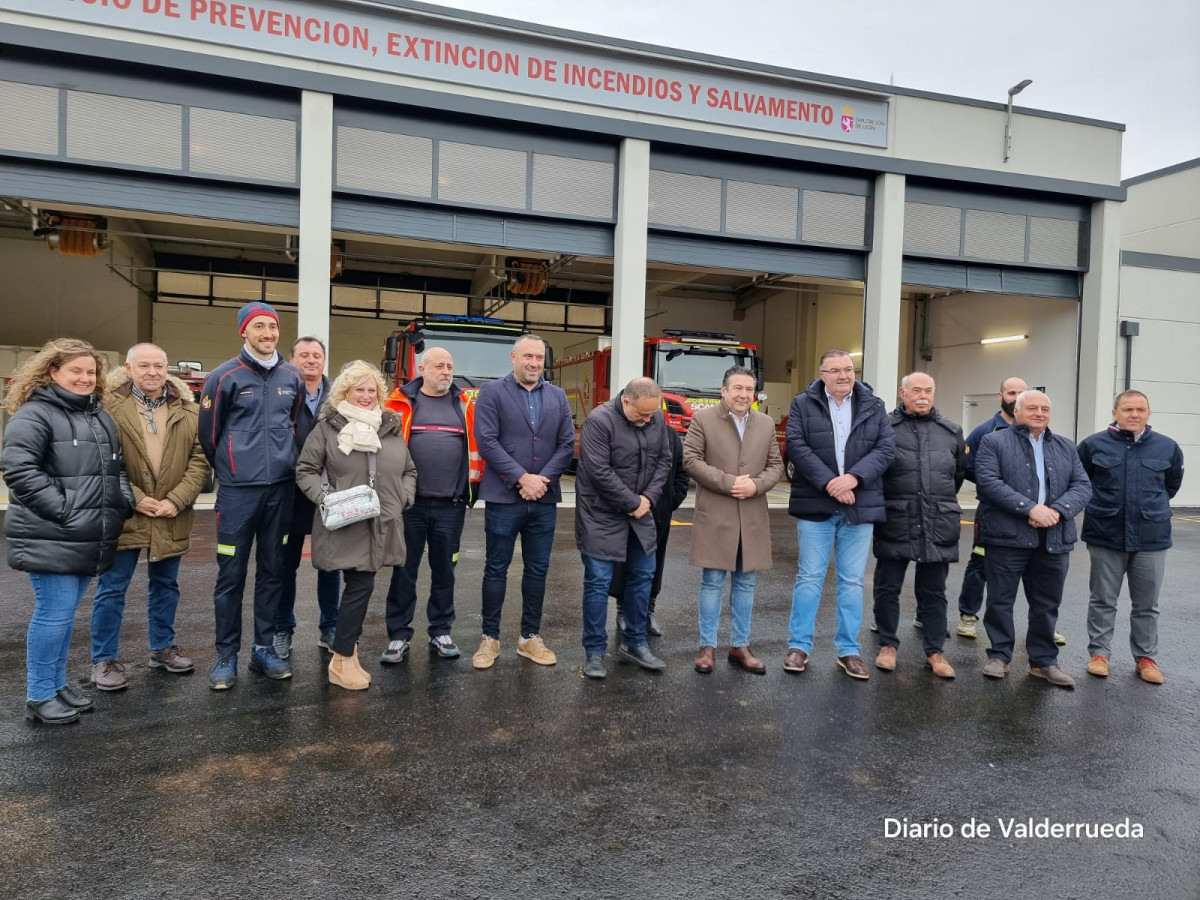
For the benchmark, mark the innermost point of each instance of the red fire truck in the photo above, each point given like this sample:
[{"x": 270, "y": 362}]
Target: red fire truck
[
  {"x": 479, "y": 346},
  {"x": 688, "y": 365}
]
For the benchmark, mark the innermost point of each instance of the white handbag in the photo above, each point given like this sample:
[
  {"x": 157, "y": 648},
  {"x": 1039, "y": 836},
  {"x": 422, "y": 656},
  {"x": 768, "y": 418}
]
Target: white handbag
[{"x": 356, "y": 504}]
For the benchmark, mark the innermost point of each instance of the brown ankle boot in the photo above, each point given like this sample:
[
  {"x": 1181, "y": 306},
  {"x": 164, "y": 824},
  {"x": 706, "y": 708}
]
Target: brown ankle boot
[{"x": 344, "y": 672}]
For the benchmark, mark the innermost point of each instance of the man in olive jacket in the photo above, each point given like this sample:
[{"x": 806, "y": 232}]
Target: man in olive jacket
[
  {"x": 732, "y": 453},
  {"x": 920, "y": 494},
  {"x": 624, "y": 461},
  {"x": 156, "y": 421}
]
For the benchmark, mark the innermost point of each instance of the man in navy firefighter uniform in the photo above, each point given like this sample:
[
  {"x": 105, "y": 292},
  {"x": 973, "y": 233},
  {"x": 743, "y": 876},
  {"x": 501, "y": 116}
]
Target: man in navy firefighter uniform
[{"x": 248, "y": 410}]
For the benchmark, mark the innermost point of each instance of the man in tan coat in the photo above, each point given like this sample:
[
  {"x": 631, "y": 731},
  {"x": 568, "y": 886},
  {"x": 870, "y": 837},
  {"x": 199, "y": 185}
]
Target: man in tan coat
[
  {"x": 156, "y": 420},
  {"x": 732, "y": 454}
]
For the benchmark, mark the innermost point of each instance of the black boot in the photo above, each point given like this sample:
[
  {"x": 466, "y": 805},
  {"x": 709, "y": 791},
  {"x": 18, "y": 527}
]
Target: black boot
[
  {"x": 652, "y": 627},
  {"x": 52, "y": 711},
  {"x": 73, "y": 698}
]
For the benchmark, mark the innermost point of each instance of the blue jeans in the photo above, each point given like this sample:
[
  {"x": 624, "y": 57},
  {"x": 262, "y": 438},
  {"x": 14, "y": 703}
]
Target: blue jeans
[
  {"x": 635, "y": 596},
  {"x": 502, "y": 523},
  {"x": 851, "y": 544},
  {"x": 56, "y": 597},
  {"x": 741, "y": 604},
  {"x": 108, "y": 608}
]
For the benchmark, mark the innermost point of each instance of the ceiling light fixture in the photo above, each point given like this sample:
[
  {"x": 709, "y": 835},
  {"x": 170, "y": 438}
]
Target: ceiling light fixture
[{"x": 1006, "y": 339}]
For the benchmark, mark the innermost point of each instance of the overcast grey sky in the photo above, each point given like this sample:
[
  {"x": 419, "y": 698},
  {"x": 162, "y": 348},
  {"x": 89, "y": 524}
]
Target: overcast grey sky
[{"x": 1131, "y": 61}]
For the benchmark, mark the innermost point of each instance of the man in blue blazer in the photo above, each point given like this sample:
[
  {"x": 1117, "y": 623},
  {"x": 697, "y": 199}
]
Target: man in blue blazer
[{"x": 525, "y": 434}]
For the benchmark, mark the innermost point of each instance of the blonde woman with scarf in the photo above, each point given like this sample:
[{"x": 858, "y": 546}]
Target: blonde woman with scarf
[{"x": 352, "y": 429}]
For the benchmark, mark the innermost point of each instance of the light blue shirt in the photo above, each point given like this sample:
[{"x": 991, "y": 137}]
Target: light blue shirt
[
  {"x": 314, "y": 400},
  {"x": 842, "y": 416},
  {"x": 1039, "y": 458}
]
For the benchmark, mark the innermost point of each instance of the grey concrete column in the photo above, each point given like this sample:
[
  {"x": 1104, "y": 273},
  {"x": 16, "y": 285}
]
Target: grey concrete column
[
  {"x": 1098, "y": 320},
  {"x": 629, "y": 262},
  {"x": 316, "y": 214},
  {"x": 881, "y": 309}
]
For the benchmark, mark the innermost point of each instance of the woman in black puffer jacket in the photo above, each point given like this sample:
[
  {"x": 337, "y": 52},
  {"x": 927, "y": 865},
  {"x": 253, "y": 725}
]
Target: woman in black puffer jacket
[{"x": 68, "y": 500}]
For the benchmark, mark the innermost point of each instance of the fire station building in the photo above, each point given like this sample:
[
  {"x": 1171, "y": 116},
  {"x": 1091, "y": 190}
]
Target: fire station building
[{"x": 357, "y": 163}]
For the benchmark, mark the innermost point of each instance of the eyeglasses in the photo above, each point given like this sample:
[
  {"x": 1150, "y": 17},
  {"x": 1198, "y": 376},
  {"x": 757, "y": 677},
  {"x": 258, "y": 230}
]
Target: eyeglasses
[
  {"x": 849, "y": 371},
  {"x": 148, "y": 415}
]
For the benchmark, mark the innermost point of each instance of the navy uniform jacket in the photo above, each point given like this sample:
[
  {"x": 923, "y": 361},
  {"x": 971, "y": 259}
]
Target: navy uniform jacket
[{"x": 248, "y": 421}]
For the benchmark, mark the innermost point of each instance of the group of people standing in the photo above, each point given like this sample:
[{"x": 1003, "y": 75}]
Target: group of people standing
[{"x": 103, "y": 466}]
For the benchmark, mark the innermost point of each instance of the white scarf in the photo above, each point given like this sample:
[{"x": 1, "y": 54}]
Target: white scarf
[{"x": 361, "y": 429}]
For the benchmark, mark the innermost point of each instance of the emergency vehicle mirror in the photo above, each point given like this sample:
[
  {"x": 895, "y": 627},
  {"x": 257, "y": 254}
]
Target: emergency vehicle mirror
[
  {"x": 549, "y": 374},
  {"x": 417, "y": 339},
  {"x": 391, "y": 351}
]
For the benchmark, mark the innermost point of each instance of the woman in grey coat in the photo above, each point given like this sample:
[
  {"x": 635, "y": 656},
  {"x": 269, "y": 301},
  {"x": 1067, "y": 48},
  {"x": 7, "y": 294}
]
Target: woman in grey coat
[{"x": 352, "y": 430}]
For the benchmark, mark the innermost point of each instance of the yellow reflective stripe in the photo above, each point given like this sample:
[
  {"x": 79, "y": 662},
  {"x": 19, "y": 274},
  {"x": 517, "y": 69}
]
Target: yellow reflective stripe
[
  {"x": 454, "y": 558},
  {"x": 226, "y": 550},
  {"x": 285, "y": 537},
  {"x": 978, "y": 551}
]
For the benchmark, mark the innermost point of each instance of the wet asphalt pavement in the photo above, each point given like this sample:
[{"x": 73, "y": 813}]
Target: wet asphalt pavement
[{"x": 524, "y": 781}]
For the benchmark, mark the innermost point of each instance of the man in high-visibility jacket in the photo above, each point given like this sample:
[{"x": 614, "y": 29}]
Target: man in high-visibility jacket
[{"x": 438, "y": 422}]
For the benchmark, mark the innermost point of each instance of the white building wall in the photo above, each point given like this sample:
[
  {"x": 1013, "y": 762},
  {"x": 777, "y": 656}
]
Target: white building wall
[
  {"x": 961, "y": 366},
  {"x": 937, "y": 132},
  {"x": 1162, "y": 216}
]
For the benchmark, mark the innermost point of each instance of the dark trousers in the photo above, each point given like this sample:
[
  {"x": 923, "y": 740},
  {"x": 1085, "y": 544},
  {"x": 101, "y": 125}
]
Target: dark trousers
[
  {"x": 257, "y": 514},
  {"x": 328, "y": 585},
  {"x": 970, "y": 598},
  {"x": 503, "y": 523},
  {"x": 930, "y": 587},
  {"x": 1043, "y": 574},
  {"x": 438, "y": 522},
  {"x": 353, "y": 611},
  {"x": 617, "y": 588}
]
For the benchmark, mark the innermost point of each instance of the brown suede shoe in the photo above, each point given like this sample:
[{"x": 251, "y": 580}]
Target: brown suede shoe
[
  {"x": 705, "y": 660},
  {"x": 1148, "y": 670},
  {"x": 886, "y": 659},
  {"x": 940, "y": 665},
  {"x": 1098, "y": 666},
  {"x": 795, "y": 661},
  {"x": 744, "y": 658},
  {"x": 854, "y": 667}
]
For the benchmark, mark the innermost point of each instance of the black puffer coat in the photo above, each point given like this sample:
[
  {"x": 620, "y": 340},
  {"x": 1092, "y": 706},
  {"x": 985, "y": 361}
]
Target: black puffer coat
[
  {"x": 68, "y": 495},
  {"x": 811, "y": 446},
  {"x": 920, "y": 490}
]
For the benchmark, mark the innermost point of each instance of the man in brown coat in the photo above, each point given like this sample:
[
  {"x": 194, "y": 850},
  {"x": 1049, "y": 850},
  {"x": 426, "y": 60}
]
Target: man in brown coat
[
  {"x": 156, "y": 420},
  {"x": 732, "y": 454}
]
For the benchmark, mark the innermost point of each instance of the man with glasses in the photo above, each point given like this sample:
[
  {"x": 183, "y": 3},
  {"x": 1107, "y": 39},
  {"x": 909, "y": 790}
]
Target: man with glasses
[
  {"x": 840, "y": 442},
  {"x": 156, "y": 420}
]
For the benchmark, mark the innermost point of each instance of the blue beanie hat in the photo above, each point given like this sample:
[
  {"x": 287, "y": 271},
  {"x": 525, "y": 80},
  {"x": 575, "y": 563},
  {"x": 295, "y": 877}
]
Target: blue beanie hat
[{"x": 257, "y": 308}]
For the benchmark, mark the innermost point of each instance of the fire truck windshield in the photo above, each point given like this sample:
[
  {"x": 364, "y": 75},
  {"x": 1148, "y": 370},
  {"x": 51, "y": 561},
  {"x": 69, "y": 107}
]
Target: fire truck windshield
[
  {"x": 698, "y": 369},
  {"x": 477, "y": 358}
]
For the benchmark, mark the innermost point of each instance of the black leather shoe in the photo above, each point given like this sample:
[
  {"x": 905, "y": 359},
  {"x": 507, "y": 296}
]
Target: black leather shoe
[
  {"x": 52, "y": 711},
  {"x": 652, "y": 627},
  {"x": 642, "y": 656},
  {"x": 593, "y": 667},
  {"x": 73, "y": 698}
]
